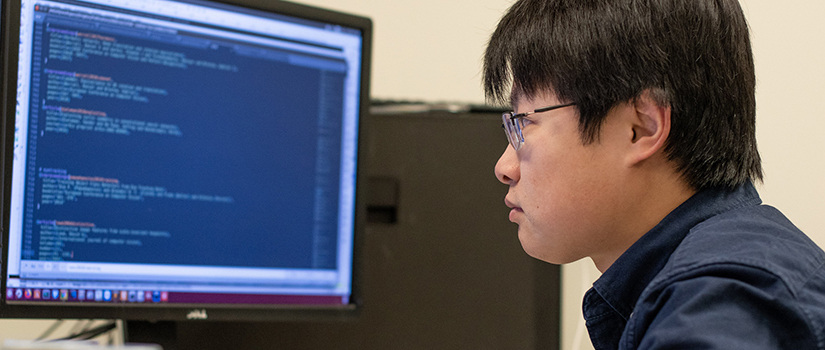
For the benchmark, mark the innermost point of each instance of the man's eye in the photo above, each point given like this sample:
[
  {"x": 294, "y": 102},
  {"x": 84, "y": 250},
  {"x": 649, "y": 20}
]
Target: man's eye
[{"x": 525, "y": 122}]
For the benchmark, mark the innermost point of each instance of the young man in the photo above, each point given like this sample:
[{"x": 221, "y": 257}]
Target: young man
[{"x": 632, "y": 142}]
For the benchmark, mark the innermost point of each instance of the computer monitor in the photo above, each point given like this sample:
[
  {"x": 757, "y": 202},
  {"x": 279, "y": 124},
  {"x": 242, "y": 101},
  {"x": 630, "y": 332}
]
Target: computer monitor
[{"x": 187, "y": 159}]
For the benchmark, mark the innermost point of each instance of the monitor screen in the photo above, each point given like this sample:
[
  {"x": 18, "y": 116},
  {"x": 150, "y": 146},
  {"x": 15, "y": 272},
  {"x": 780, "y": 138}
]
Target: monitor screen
[{"x": 180, "y": 159}]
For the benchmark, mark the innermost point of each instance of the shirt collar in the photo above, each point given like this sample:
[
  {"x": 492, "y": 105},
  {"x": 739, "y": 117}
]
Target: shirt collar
[{"x": 623, "y": 282}]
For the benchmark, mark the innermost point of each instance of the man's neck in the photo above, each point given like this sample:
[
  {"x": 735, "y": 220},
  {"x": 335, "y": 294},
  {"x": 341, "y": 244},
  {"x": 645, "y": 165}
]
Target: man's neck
[{"x": 654, "y": 195}]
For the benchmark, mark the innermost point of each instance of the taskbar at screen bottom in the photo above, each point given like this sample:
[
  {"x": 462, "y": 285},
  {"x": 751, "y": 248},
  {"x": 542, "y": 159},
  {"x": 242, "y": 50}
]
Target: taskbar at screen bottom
[{"x": 101, "y": 296}]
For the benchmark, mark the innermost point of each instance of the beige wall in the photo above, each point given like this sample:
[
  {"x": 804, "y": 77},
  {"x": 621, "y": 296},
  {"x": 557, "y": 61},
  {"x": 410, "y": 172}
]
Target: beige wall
[
  {"x": 431, "y": 50},
  {"x": 426, "y": 50}
]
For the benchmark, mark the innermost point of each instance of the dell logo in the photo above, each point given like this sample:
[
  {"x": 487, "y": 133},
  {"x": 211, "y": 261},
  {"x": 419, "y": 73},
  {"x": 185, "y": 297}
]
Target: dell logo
[{"x": 197, "y": 314}]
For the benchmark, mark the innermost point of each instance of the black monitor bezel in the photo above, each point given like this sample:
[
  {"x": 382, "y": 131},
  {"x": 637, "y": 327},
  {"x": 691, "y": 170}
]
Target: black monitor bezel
[{"x": 9, "y": 37}]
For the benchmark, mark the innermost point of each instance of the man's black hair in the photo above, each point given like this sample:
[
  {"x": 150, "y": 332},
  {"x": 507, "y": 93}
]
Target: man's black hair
[{"x": 694, "y": 55}]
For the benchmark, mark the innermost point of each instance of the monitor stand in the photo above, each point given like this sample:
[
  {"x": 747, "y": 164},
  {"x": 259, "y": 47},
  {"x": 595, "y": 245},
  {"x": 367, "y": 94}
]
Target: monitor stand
[{"x": 163, "y": 333}]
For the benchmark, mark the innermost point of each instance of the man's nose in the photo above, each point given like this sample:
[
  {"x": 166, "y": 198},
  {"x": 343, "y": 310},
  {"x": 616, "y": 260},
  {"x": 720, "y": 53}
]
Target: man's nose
[{"x": 507, "y": 167}]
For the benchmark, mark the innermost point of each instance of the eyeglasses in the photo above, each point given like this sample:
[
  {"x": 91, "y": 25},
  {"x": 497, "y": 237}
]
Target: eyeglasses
[{"x": 514, "y": 122}]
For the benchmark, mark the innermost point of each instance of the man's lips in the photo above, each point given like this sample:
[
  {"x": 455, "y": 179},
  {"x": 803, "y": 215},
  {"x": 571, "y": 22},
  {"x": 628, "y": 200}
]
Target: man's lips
[
  {"x": 510, "y": 204},
  {"x": 515, "y": 210}
]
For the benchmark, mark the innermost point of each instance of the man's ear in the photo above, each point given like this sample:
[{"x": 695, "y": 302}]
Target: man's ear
[{"x": 651, "y": 127}]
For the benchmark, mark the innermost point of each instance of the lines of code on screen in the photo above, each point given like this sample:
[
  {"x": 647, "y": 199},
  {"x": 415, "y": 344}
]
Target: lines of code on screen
[{"x": 154, "y": 145}]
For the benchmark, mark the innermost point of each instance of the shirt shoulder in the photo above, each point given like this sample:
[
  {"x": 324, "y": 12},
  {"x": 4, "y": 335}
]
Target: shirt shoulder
[
  {"x": 746, "y": 275},
  {"x": 759, "y": 237}
]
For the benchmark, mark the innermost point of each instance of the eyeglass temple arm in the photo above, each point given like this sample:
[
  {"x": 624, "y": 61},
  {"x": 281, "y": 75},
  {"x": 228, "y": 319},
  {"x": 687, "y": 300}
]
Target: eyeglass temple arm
[{"x": 545, "y": 109}]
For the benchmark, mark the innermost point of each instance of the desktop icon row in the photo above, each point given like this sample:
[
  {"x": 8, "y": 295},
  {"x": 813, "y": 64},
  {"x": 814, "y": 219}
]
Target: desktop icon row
[{"x": 87, "y": 295}]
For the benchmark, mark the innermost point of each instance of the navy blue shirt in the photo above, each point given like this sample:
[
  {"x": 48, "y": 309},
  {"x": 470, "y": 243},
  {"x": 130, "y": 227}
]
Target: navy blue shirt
[{"x": 722, "y": 271}]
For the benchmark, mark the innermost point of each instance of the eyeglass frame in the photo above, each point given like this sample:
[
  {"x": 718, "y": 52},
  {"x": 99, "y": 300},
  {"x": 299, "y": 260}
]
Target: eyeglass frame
[{"x": 512, "y": 128}]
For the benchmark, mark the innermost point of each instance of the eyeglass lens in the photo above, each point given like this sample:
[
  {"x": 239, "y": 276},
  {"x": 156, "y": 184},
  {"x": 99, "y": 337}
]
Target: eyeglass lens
[{"x": 511, "y": 130}]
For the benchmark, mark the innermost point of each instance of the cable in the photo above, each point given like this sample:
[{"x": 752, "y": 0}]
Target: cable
[
  {"x": 50, "y": 330},
  {"x": 107, "y": 328},
  {"x": 91, "y": 333},
  {"x": 80, "y": 326}
]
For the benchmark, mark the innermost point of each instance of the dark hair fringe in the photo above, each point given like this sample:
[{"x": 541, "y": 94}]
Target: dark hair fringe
[{"x": 695, "y": 54}]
